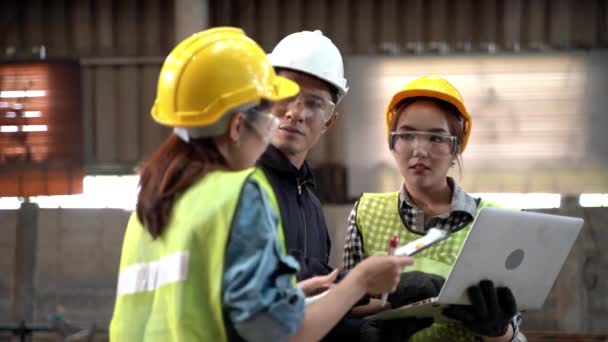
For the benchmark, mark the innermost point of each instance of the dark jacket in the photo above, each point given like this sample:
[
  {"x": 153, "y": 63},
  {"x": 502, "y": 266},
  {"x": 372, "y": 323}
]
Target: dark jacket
[{"x": 306, "y": 234}]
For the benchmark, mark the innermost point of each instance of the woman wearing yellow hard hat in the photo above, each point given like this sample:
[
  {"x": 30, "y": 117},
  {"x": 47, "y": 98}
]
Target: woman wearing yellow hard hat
[
  {"x": 428, "y": 128},
  {"x": 203, "y": 256}
]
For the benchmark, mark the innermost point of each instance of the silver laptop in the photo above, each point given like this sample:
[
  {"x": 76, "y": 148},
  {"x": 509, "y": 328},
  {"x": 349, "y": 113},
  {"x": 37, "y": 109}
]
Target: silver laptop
[{"x": 522, "y": 250}]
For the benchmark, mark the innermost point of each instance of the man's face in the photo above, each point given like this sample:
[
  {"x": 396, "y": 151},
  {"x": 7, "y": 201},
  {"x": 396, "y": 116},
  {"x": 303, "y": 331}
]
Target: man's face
[{"x": 304, "y": 118}]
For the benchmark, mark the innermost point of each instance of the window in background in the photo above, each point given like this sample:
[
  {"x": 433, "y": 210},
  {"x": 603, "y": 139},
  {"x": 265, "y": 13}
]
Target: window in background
[
  {"x": 593, "y": 200},
  {"x": 118, "y": 192}
]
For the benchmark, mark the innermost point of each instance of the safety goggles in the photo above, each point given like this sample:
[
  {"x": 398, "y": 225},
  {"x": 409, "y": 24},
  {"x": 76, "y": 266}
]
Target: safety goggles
[
  {"x": 435, "y": 143},
  {"x": 311, "y": 106},
  {"x": 261, "y": 120}
]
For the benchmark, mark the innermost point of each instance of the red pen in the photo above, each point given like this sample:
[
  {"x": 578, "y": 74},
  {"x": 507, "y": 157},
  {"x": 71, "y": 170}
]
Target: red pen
[{"x": 392, "y": 246}]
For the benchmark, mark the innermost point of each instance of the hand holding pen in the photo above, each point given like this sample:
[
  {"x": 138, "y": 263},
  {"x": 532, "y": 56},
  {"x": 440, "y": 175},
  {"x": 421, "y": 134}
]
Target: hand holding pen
[{"x": 392, "y": 246}]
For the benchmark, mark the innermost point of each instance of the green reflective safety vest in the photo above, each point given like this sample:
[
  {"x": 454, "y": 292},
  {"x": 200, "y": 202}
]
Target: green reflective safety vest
[
  {"x": 170, "y": 289},
  {"x": 378, "y": 219}
]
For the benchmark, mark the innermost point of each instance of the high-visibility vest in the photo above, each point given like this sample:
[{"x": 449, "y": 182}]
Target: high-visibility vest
[
  {"x": 170, "y": 289},
  {"x": 378, "y": 219}
]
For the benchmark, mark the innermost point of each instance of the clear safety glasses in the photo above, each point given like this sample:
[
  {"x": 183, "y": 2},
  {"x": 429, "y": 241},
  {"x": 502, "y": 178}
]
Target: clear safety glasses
[
  {"x": 436, "y": 144},
  {"x": 312, "y": 106},
  {"x": 262, "y": 122}
]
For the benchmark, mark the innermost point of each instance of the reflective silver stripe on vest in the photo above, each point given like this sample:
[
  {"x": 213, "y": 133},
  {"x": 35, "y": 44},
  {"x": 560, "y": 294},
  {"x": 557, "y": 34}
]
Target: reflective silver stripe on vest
[{"x": 152, "y": 275}]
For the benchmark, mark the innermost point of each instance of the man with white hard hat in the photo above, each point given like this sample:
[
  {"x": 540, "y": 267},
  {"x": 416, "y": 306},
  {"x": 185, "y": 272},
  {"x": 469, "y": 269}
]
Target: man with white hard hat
[{"x": 313, "y": 61}]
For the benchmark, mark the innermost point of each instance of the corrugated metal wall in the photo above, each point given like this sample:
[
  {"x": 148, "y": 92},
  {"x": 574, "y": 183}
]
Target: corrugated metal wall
[
  {"x": 118, "y": 128},
  {"x": 467, "y": 29},
  {"x": 121, "y": 45},
  {"x": 406, "y": 26},
  {"x": 86, "y": 28}
]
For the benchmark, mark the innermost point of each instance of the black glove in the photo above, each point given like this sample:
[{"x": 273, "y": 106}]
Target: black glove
[
  {"x": 490, "y": 312},
  {"x": 397, "y": 330},
  {"x": 415, "y": 286}
]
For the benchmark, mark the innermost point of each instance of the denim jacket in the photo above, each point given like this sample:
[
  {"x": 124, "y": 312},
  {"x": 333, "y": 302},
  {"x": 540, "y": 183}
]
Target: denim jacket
[{"x": 260, "y": 302}]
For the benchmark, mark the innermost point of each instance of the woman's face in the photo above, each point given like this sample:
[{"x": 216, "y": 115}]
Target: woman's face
[
  {"x": 257, "y": 128},
  {"x": 423, "y": 145}
]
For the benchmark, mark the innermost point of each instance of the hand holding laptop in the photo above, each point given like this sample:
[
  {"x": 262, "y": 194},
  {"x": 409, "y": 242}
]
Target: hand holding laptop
[
  {"x": 523, "y": 251},
  {"x": 414, "y": 286},
  {"x": 490, "y": 312}
]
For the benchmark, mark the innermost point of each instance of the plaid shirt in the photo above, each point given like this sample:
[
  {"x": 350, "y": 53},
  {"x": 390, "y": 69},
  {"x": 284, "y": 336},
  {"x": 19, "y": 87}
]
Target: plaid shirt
[
  {"x": 463, "y": 209},
  {"x": 462, "y": 212}
]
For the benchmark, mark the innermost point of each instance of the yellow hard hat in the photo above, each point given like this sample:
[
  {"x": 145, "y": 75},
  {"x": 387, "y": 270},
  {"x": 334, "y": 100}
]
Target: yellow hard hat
[
  {"x": 212, "y": 72},
  {"x": 435, "y": 87}
]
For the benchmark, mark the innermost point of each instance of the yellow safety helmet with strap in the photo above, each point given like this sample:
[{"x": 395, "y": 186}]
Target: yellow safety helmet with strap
[
  {"x": 211, "y": 73},
  {"x": 435, "y": 87}
]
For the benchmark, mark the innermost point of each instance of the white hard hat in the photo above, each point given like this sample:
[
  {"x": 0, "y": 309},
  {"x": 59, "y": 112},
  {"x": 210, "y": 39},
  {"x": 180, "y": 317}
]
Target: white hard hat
[{"x": 312, "y": 53}]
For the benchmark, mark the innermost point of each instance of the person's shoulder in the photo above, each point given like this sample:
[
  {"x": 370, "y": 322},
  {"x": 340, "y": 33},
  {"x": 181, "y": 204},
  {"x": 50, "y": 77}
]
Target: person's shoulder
[
  {"x": 487, "y": 203},
  {"x": 253, "y": 185},
  {"x": 372, "y": 200},
  {"x": 378, "y": 195},
  {"x": 217, "y": 189},
  {"x": 254, "y": 200}
]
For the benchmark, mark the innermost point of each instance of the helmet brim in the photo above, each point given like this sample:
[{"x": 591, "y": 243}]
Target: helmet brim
[{"x": 282, "y": 88}]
